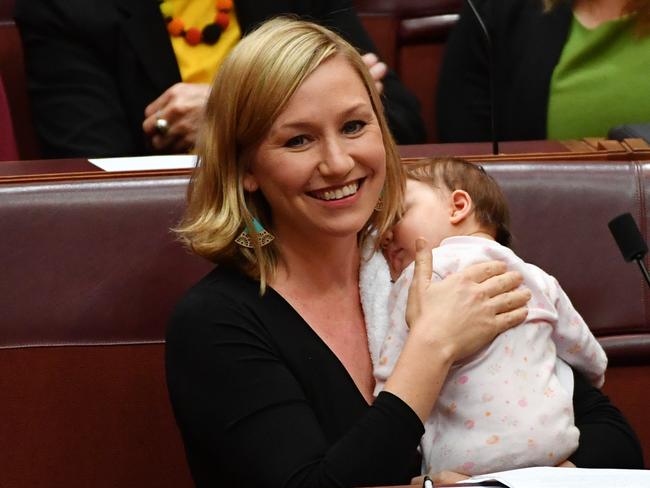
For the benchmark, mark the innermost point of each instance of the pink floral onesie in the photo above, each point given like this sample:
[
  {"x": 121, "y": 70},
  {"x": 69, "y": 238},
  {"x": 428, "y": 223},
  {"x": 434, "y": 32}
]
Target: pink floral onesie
[{"x": 509, "y": 405}]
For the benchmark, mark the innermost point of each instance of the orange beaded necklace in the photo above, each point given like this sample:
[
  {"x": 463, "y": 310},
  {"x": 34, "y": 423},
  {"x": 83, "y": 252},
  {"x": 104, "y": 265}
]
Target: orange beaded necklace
[{"x": 208, "y": 35}]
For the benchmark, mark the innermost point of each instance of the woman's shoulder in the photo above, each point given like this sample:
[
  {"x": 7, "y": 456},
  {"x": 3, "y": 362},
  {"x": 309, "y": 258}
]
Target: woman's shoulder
[
  {"x": 223, "y": 294},
  {"x": 222, "y": 286}
]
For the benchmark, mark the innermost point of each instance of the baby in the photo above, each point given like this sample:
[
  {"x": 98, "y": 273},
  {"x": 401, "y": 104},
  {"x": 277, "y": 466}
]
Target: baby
[{"x": 509, "y": 405}]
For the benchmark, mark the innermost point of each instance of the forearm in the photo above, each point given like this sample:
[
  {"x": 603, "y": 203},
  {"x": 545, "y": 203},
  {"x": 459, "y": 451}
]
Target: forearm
[{"x": 419, "y": 374}]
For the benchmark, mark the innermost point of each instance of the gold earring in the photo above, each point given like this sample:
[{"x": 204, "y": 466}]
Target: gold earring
[
  {"x": 379, "y": 206},
  {"x": 260, "y": 234}
]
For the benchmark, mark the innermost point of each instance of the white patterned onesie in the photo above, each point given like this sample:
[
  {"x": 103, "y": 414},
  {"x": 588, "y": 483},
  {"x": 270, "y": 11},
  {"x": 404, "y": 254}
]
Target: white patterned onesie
[{"x": 509, "y": 405}]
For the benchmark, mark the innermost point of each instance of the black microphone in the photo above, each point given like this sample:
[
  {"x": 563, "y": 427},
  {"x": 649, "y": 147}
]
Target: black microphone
[
  {"x": 492, "y": 74},
  {"x": 630, "y": 241}
]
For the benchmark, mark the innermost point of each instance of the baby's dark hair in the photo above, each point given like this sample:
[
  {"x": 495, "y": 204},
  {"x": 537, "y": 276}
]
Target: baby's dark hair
[{"x": 490, "y": 205}]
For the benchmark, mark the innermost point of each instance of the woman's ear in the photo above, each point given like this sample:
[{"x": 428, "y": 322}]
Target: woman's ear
[
  {"x": 461, "y": 206},
  {"x": 250, "y": 182}
]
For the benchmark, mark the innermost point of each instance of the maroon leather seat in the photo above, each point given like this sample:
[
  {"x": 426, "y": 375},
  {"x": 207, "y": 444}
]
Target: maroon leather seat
[{"x": 90, "y": 272}]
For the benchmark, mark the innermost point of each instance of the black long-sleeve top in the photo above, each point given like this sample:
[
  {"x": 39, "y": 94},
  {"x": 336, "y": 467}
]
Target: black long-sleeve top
[{"x": 261, "y": 400}]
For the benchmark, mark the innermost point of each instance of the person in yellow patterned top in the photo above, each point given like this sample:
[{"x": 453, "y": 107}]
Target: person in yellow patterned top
[{"x": 118, "y": 78}]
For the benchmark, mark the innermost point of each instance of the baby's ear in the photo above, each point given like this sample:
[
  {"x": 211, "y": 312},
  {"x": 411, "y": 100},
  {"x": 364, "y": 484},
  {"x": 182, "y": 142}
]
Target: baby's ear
[{"x": 461, "y": 206}]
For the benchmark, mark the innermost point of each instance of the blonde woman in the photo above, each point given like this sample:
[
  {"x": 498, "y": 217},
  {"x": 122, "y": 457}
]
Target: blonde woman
[
  {"x": 268, "y": 365},
  {"x": 563, "y": 70}
]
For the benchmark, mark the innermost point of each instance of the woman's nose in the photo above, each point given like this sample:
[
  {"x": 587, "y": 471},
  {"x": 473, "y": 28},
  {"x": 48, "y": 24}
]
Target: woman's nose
[{"x": 336, "y": 159}]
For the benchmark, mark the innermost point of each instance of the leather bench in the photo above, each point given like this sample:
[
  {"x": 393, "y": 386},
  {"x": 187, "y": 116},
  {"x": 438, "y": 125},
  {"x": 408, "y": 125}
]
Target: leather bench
[{"x": 90, "y": 272}]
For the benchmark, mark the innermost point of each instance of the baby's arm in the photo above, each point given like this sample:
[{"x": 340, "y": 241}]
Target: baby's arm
[{"x": 574, "y": 341}]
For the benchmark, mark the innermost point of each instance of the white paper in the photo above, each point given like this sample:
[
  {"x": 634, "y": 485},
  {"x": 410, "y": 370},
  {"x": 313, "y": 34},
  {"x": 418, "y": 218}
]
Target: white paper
[
  {"x": 570, "y": 478},
  {"x": 146, "y": 163}
]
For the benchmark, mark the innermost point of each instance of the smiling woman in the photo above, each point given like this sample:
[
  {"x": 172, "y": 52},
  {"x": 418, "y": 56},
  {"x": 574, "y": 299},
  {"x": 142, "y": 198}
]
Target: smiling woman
[
  {"x": 282, "y": 115},
  {"x": 268, "y": 366},
  {"x": 322, "y": 165}
]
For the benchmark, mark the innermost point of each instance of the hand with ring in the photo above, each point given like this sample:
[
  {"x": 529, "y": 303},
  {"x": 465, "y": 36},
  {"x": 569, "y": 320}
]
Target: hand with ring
[
  {"x": 172, "y": 120},
  {"x": 162, "y": 126}
]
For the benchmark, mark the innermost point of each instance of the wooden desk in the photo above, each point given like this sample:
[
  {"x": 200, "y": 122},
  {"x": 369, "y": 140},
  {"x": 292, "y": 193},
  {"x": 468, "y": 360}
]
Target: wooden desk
[
  {"x": 67, "y": 169},
  {"x": 592, "y": 149},
  {"x": 583, "y": 150}
]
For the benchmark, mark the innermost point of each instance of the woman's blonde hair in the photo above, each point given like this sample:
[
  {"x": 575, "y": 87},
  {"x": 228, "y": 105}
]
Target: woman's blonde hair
[
  {"x": 639, "y": 7},
  {"x": 250, "y": 90}
]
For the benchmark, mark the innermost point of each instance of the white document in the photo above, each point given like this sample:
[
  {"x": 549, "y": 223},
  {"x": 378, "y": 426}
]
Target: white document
[
  {"x": 548, "y": 477},
  {"x": 146, "y": 163}
]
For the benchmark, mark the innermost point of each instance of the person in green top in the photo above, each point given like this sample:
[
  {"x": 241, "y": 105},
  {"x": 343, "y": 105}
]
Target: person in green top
[{"x": 563, "y": 69}]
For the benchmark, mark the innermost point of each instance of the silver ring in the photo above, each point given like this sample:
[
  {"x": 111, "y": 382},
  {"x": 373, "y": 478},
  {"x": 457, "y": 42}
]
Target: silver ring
[{"x": 162, "y": 126}]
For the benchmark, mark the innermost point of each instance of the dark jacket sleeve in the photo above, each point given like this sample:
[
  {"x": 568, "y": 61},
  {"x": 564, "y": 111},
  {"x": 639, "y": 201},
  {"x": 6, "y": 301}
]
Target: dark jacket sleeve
[
  {"x": 401, "y": 106},
  {"x": 246, "y": 420},
  {"x": 463, "y": 98},
  {"x": 75, "y": 100},
  {"x": 606, "y": 439}
]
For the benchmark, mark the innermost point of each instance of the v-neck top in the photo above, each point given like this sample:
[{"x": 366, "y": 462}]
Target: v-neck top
[
  {"x": 261, "y": 400},
  {"x": 602, "y": 80}
]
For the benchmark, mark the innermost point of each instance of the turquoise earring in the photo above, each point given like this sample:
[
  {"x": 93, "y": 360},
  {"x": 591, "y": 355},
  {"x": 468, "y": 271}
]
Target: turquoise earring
[{"x": 259, "y": 233}]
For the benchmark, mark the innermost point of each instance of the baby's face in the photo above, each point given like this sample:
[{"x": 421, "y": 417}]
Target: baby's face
[{"x": 426, "y": 214}]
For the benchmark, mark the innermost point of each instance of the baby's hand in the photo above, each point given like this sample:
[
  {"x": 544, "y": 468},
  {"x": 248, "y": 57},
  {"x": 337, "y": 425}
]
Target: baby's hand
[
  {"x": 441, "y": 478},
  {"x": 566, "y": 464}
]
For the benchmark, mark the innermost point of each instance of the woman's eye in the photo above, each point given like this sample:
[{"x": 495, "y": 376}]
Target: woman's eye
[
  {"x": 296, "y": 141},
  {"x": 353, "y": 126}
]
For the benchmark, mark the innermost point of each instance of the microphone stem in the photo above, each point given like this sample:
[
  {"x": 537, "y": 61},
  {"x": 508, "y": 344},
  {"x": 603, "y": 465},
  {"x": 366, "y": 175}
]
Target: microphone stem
[
  {"x": 492, "y": 77},
  {"x": 644, "y": 270}
]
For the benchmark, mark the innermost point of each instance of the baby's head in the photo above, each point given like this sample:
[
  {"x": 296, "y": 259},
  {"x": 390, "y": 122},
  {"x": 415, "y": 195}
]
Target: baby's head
[{"x": 445, "y": 197}]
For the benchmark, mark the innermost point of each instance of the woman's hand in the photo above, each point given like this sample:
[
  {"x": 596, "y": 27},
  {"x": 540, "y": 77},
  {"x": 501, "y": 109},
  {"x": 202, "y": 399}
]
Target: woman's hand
[
  {"x": 181, "y": 105},
  {"x": 465, "y": 311},
  {"x": 377, "y": 70}
]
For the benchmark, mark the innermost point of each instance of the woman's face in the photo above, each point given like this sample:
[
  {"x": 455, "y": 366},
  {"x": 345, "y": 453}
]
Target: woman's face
[{"x": 322, "y": 165}]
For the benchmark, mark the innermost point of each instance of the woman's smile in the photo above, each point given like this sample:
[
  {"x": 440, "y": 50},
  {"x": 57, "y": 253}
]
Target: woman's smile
[{"x": 337, "y": 193}]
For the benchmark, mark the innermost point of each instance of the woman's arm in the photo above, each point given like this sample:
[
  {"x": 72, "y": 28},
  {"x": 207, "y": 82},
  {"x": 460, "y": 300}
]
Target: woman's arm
[{"x": 606, "y": 439}]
